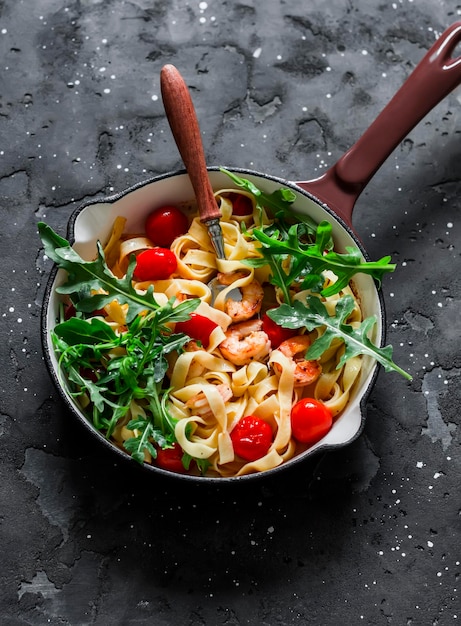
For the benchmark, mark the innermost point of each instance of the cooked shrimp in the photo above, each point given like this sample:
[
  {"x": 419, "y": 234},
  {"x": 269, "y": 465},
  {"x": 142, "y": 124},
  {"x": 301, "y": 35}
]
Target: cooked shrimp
[
  {"x": 306, "y": 372},
  {"x": 199, "y": 403},
  {"x": 192, "y": 346},
  {"x": 227, "y": 278},
  {"x": 252, "y": 297},
  {"x": 245, "y": 342}
]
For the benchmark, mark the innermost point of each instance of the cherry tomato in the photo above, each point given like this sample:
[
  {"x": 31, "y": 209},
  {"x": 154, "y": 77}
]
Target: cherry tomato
[
  {"x": 165, "y": 224},
  {"x": 251, "y": 438},
  {"x": 198, "y": 327},
  {"x": 241, "y": 205},
  {"x": 89, "y": 373},
  {"x": 171, "y": 459},
  {"x": 310, "y": 420},
  {"x": 277, "y": 333},
  {"x": 69, "y": 311},
  {"x": 155, "y": 264}
]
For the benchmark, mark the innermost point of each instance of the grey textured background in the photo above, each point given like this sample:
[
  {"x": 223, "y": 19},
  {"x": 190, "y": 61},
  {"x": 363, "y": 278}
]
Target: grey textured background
[{"x": 368, "y": 534}]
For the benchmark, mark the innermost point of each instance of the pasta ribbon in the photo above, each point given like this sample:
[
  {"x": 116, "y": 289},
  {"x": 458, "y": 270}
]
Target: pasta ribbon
[{"x": 207, "y": 394}]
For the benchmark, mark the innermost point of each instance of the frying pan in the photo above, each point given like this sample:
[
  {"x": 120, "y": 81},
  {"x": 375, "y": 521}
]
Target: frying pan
[{"x": 331, "y": 197}]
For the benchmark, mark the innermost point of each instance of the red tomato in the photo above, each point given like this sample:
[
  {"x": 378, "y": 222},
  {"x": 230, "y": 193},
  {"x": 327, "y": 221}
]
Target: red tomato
[
  {"x": 171, "y": 459},
  {"x": 69, "y": 311},
  {"x": 310, "y": 420},
  {"x": 251, "y": 438},
  {"x": 277, "y": 333},
  {"x": 89, "y": 374},
  {"x": 165, "y": 224},
  {"x": 155, "y": 264},
  {"x": 241, "y": 205},
  {"x": 198, "y": 327}
]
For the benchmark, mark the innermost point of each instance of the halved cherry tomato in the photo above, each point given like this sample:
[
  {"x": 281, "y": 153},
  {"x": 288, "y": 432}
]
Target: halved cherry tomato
[
  {"x": 171, "y": 459},
  {"x": 251, "y": 438},
  {"x": 165, "y": 224},
  {"x": 277, "y": 333},
  {"x": 310, "y": 420},
  {"x": 241, "y": 205},
  {"x": 198, "y": 327},
  {"x": 155, "y": 264}
]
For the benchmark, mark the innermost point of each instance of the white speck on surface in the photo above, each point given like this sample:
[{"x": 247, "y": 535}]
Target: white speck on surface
[
  {"x": 257, "y": 53},
  {"x": 364, "y": 52}
]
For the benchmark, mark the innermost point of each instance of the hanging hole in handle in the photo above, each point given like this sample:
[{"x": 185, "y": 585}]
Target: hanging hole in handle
[
  {"x": 456, "y": 52},
  {"x": 453, "y": 58},
  {"x": 450, "y": 47}
]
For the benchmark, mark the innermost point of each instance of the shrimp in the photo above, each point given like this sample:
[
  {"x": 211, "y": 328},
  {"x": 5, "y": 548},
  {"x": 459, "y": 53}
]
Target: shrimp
[
  {"x": 199, "y": 403},
  {"x": 306, "y": 372},
  {"x": 252, "y": 297},
  {"x": 192, "y": 346},
  {"x": 245, "y": 342}
]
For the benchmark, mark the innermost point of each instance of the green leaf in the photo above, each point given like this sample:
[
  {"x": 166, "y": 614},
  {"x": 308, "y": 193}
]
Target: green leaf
[
  {"x": 314, "y": 314},
  {"x": 86, "y": 277},
  {"x": 279, "y": 199},
  {"x": 343, "y": 265},
  {"x": 88, "y": 332}
]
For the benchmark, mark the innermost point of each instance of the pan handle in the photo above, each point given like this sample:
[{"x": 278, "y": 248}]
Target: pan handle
[{"x": 436, "y": 75}]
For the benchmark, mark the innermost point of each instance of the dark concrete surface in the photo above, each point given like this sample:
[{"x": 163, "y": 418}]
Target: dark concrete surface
[{"x": 367, "y": 534}]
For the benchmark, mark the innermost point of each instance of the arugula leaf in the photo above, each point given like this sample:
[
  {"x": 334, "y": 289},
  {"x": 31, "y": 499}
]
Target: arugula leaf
[
  {"x": 89, "y": 332},
  {"x": 135, "y": 371},
  {"x": 304, "y": 250},
  {"x": 87, "y": 279},
  {"x": 309, "y": 261},
  {"x": 314, "y": 314},
  {"x": 137, "y": 445},
  {"x": 202, "y": 464},
  {"x": 279, "y": 201},
  {"x": 115, "y": 370}
]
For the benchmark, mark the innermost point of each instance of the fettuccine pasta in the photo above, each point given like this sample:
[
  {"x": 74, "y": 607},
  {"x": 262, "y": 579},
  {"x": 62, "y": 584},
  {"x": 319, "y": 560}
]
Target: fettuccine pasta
[{"x": 236, "y": 375}]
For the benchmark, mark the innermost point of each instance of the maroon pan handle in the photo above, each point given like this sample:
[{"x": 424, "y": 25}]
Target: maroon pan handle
[{"x": 435, "y": 76}]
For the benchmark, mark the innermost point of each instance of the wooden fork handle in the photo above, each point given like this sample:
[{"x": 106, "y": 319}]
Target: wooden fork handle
[{"x": 184, "y": 125}]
